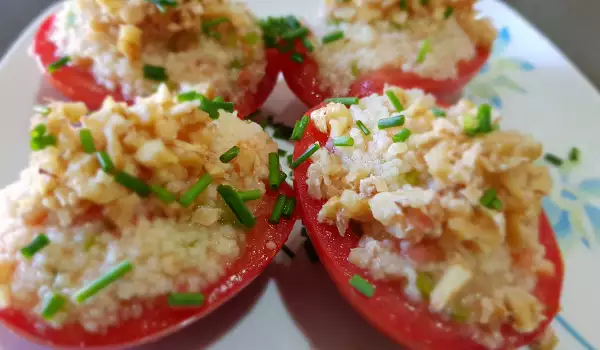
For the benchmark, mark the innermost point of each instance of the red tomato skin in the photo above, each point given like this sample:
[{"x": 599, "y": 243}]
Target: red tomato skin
[
  {"x": 305, "y": 81},
  {"x": 389, "y": 310},
  {"x": 161, "y": 320},
  {"x": 78, "y": 84}
]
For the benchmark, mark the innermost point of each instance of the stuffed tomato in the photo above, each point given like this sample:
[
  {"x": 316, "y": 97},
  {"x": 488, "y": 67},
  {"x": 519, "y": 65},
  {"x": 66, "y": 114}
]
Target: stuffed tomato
[
  {"x": 430, "y": 220},
  {"x": 92, "y": 49},
  {"x": 436, "y": 46},
  {"x": 132, "y": 222}
]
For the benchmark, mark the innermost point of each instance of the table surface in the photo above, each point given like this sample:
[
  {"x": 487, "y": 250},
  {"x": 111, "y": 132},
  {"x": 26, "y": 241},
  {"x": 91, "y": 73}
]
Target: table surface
[{"x": 570, "y": 24}]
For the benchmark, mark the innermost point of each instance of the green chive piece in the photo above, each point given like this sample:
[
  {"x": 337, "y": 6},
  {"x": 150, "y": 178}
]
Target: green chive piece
[
  {"x": 161, "y": 5},
  {"x": 87, "y": 141},
  {"x": 155, "y": 73},
  {"x": 188, "y": 96},
  {"x": 391, "y": 95},
  {"x": 470, "y": 125},
  {"x": 362, "y": 286},
  {"x": 343, "y": 100},
  {"x": 438, "y": 112},
  {"x": 403, "y": 4},
  {"x": 252, "y": 38},
  {"x": 308, "y": 44},
  {"x": 185, "y": 299},
  {"x": 295, "y": 33},
  {"x": 190, "y": 195},
  {"x": 488, "y": 197},
  {"x": 307, "y": 154},
  {"x": 230, "y": 154},
  {"x": 354, "y": 68},
  {"x": 58, "y": 64},
  {"x": 37, "y": 244},
  {"x": 425, "y": 284},
  {"x": 402, "y": 136},
  {"x": 393, "y": 121},
  {"x": 250, "y": 195},
  {"x": 574, "y": 154},
  {"x": 105, "y": 162},
  {"x": 274, "y": 170},
  {"x": 496, "y": 204},
  {"x": 288, "y": 251},
  {"x": 43, "y": 110},
  {"x": 226, "y": 106},
  {"x": 281, "y": 152},
  {"x": 163, "y": 194},
  {"x": 282, "y": 177},
  {"x": 133, "y": 183},
  {"x": 448, "y": 12},
  {"x": 38, "y": 131},
  {"x": 213, "y": 23},
  {"x": 343, "y": 141},
  {"x": 237, "y": 206},
  {"x": 110, "y": 277},
  {"x": 333, "y": 36},
  {"x": 208, "y": 106},
  {"x": 363, "y": 128},
  {"x": 296, "y": 57},
  {"x": 299, "y": 128},
  {"x": 288, "y": 208},
  {"x": 290, "y": 160},
  {"x": 484, "y": 118},
  {"x": 553, "y": 159},
  {"x": 52, "y": 306},
  {"x": 277, "y": 209},
  {"x": 423, "y": 51}
]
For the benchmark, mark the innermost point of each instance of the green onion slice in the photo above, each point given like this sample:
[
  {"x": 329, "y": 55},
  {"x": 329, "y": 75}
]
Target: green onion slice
[
  {"x": 185, "y": 299},
  {"x": 282, "y": 177},
  {"x": 226, "y": 106},
  {"x": 208, "y": 106},
  {"x": 333, "y": 36},
  {"x": 106, "y": 162},
  {"x": 574, "y": 154},
  {"x": 163, "y": 194},
  {"x": 343, "y": 141},
  {"x": 488, "y": 196},
  {"x": 440, "y": 113},
  {"x": 53, "y": 305},
  {"x": 230, "y": 154},
  {"x": 188, "y": 96},
  {"x": 277, "y": 209},
  {"x": 484, "y": 118},
  {"x": 363, "y": 128},
  {"x": 190, "y": 195},
  {"x": 391, "y": 95},
  {"x": 206, "y": 26},
  {"x": 299, "y": 128},
  {"x": 87, "y": 141},
  {"x": 362, "y": 286},
  {"x": 39, "y": 130},
  {"x": 393, "y": 121},
  {"x": 133, "y": 183},
  {"x": 297, "y": 57},
  {"x": 250, "y": 195},
  {"x": 110, "y": 277},
  {"x": 274, "y": 170},
  {"x": 343, "y": 100},
  {"x": 401, "y": 136},
  {"x": 161, "y": 5},
  {"x": 295, "y": 33},
  {"x": 553, "y": 159},
  {"x": 236, "y": 204},
  {"x": 304, "y": 156},
  {"x": 155, "y": 73},
  {"x": 288, "y": 208},
  {"x": 43, "y": 110},
  {"x": 37, "y": 244},
  {"x": 58, "y": 64},
  {"x": 425, "y": 284},
  {"x": 307, "y": 44},
  {"x": 423, "y": 51}
]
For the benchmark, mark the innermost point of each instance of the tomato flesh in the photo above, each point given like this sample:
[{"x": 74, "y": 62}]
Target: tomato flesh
[
  {"x": 389, "y": 310},
  {"x": 78, "y": 84},
  {"x": 304, "y": 79},
  {"x": 162, "y": 320}
]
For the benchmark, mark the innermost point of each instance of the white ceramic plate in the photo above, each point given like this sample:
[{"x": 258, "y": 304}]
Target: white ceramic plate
[{"x": 293, "y": 305}]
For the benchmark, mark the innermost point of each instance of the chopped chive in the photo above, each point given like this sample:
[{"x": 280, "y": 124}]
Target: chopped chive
[
  {"x": 206, "y": 26},
  {"x": 53, "y": 305},
  {"x": 133, "y": 183},
  {"x": 163, "y": 194},
  {"x": 403, "y": 4},
  {"x": 299, "y": 128},
  {"x": 277, "y": 209},
  {"x": 185, "y": 299},
  {"x": 393, "y": 121},
  {"x": 208, "y": 106},
  {"x": 282, "y": 177},
  {"x": 230, "y": 154},
  {"x": 187, "y": 96},
  {"x": 362, "y": 286},
  {"x": 448, "y": 12},
  {"x": 310, "y": 251},
  {"x": 38, "y": 131},
  {"x": 402, "y": 135},
  {"x": 574, "y": 154},
  {"x": 58, "y": 64},
  {"x": 304, "y": 156},
  {"x": 391, "y": 95},
  {"x": 237, "y": 206},
  {"x": 288, "y": 208},
  {"x": 438, "y": 112},
  {"x": 307, "y": 44},
  {"x": 484, "y": 118},
  {"x": 333, "y": 36},
  {"x": 288, "y": 251},
  {"x": 281, "y": 152},
  {"x": 252, "y": 38},
  {"x": 343, "y": 100},
  {"x": 250, "y": 195},
  {"x": 470, "y": 125},
  {"x": 161, "y": 5},
  {"x": 295, "y": 33},
  {"x": 41, "y": 142},
  {"x": 290, "y": 160},
  {"x": 274, "y": 170},
  {"x": 552, "y": 159},
  {"x": 155, "y": 73},
  {"x": 363, "y": 128},
  {"x": 87, "y": 141},
  {"x": 496, "y": 204},
  {"x": 105, "y": 162},
  {"x": 110, "y": 277},
  {"x": 488, "y": 197},
  {"x": 296, "y": 57},
  {"x": 37, "y": 244},
  {"x": 425, "y": 284},
  {"x": 354, "y": 68},
  {"x": 190, "y": 195},
  {"x": 343, "y": 141},
  {"x": 43, "y": 110},
  {"x": 423, "y": 51},
  {"x": 226, "y": 106}
]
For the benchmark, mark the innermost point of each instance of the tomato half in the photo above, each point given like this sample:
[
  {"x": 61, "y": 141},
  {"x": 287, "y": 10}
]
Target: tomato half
[
  {"x": 78, "y": 84},
  {"x": 389, "y": 310},
  {"x": 163, "y": 320},
  {"x": 304, "y": 79}
]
